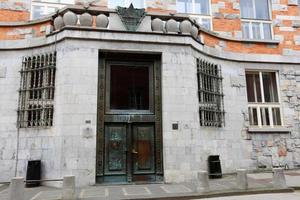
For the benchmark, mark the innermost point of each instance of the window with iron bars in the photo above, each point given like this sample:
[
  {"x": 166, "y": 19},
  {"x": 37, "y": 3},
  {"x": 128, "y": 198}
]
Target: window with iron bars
[
  {"x": 210, "y": 93},
  {"x": 36, "y": 92}
]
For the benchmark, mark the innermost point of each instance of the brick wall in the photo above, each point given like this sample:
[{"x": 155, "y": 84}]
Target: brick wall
[
  {"x": 14, "y": 10},
  {"x": 225, "y": 20}
]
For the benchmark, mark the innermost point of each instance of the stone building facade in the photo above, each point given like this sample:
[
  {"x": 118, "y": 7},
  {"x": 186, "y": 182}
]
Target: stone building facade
[{"x": 223, "y": 90}]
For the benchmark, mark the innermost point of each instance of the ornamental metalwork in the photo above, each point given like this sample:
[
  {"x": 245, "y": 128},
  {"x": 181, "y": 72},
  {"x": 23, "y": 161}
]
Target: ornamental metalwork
[
  {"x": 36, "y": 92},
  {"x": 131, "y": 17},
  {"x": 100, "y": 119},
  {"x": 210, "y": 94},
  {"x": 158, "y": 118}
]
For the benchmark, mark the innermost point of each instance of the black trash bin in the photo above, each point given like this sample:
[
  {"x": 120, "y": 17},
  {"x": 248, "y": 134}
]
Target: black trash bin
[
  {"x": 33, "y": 173},
  {"x": 214, "y": 167}
]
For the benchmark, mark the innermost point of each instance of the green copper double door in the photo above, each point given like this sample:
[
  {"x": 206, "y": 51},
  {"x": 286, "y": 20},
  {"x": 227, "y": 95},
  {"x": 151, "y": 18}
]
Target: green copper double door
[
  {"x": 129, "y": 139},
  {"x": 129, "y": 152}
]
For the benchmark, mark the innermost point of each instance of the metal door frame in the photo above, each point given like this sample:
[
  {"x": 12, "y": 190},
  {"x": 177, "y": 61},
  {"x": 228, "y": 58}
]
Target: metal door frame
[{"x": 102, "y": 117}]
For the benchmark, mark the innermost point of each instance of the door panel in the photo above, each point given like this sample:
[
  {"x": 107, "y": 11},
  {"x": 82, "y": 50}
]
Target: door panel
[
  {"x": 143, "y": 149},
  {"x": 115, "y": 149}
]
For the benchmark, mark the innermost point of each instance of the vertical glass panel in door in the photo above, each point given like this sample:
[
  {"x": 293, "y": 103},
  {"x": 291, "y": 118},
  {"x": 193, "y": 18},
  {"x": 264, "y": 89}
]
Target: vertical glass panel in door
[
  {"x": 129, "y": 88},
  {"x": 143, "y": 149},
  {"x": 115, "y": 149}
]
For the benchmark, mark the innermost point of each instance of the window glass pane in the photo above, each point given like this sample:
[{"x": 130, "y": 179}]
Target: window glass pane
[
  {"x": 184, "y": 6},
  {"x": 51, "y": 10},
  {"x": 247, "y": 8},
  {"x": 262, "y": 9},
  {"x": 265, "y": 120},
  {"x": 253, "y": 87},
  {"x": 257, "y": 88},
  {"x": 276, "y": 116},
  {"x": 267, "y": 31},
  {"x": 256, "y": 30},
  {"x": 67, "y": 1},
  {"x": 270, "y": 86},
  {"x": 37, "y": 12},
  {"x": 135, "y": 3},
  {"x": 116, "y": 3},
  {"x": 129, "y": 88},
  {"x": 250, "y": 88},
  {"x": 246, "y": 30},
  {"x": 253, "y": 116},
  {"x": 202, "y": 7},
  {"x": 206, "y": 24},
  {"x": 49, "y": 1}
]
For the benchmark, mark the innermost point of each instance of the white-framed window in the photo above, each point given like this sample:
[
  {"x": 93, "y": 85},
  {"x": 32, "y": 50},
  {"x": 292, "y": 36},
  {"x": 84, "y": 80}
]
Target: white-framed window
[
  {"x": 256, "y": 19},
  {"x": 46, "y": 7},
  {"x": 126, "y": 3},
  {"x": 200, "y": 10},
  {"x": 263, "y": 99}
]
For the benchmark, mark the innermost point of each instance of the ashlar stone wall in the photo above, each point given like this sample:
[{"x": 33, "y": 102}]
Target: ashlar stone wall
[{"x": 69, "y": 147}]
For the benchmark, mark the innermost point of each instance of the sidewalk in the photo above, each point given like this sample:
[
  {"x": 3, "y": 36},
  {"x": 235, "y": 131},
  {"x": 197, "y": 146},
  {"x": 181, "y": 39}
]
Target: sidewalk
[{"x": 258, "y": 183}]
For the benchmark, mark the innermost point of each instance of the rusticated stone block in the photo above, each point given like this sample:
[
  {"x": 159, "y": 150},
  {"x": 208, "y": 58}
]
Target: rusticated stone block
[
  {"x": 293, "y": 2},
  {"x": 279, "y": 7},
  {"x": 232, "y": 16},
  {"x": 296, "y": 23}
]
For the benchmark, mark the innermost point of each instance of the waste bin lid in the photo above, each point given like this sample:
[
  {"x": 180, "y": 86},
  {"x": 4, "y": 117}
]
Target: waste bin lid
[{"x": 213, "y": 157}]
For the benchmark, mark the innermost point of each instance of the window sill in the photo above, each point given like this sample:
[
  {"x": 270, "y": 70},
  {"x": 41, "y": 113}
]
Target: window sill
[{"x": 269, "y": 130}]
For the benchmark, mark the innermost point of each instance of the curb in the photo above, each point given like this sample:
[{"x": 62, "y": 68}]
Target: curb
[
  {"x": 223, "y": 194},
  {"x": 3, "y": 186},
  {"x": 296, "y": 187}
]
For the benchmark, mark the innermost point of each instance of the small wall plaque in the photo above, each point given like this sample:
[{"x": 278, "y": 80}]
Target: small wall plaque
[{"x": 175, "y": 126}]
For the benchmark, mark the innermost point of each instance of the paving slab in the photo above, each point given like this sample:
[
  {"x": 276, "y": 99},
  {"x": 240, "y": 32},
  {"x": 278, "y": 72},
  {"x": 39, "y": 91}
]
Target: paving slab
[{"x": 173, "y": 189}]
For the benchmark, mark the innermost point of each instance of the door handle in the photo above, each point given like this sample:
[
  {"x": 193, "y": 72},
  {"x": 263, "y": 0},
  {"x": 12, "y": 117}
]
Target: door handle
[{"x": 134, "y": 151}]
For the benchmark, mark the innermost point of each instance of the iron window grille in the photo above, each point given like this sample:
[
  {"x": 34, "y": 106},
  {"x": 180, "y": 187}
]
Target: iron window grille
[
  {"x": 210, "y": 94},
  {"x": 36, "y": 92}
]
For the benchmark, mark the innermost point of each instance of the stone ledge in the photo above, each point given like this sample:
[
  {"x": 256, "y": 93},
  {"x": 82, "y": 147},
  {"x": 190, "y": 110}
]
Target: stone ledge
[
  {"x": 104, "y": 35},
  {"x": 269, "y": 130}
]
